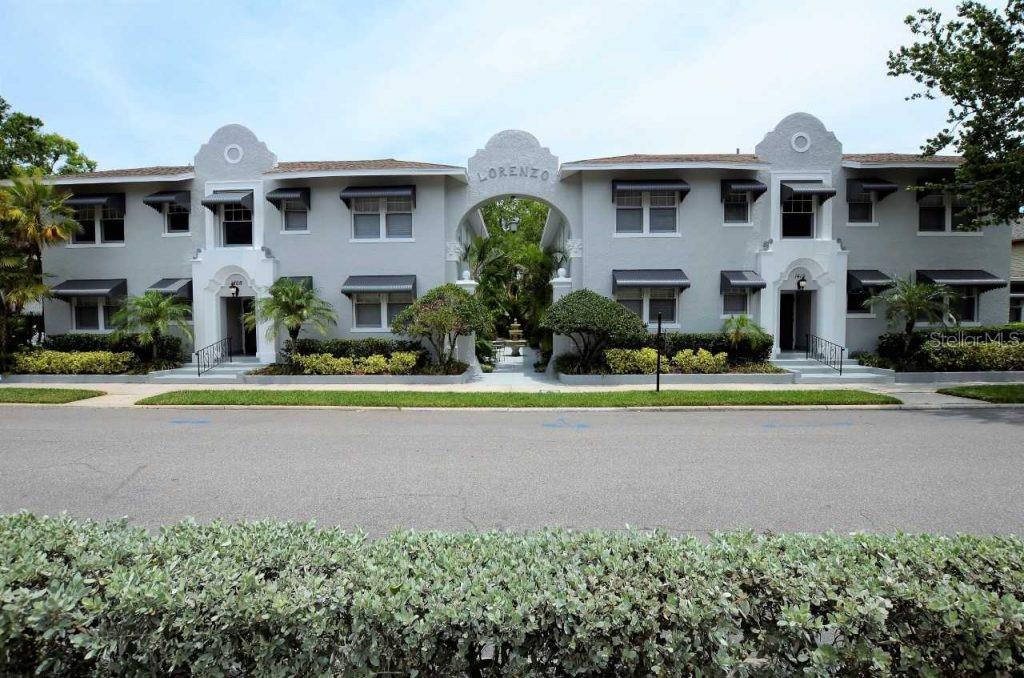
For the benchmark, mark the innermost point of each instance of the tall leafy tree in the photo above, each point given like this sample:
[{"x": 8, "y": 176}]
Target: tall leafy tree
[
  {"x": 290, "y": 306},
  {"x": 18, "y": 287},
  {"x": 976, "y": 61},
  {"x": 34, "y": 216},
  {"x": 24, "y": 145}
]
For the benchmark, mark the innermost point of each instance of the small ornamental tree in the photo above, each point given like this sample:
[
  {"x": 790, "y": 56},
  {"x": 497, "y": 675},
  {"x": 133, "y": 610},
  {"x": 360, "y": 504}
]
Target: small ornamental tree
[
  {"x": 150, "y": 316},
  {"x": 592, "y": 322},
  {"x": 441, "y": 316},
  {"x": 908, "y": 302}
]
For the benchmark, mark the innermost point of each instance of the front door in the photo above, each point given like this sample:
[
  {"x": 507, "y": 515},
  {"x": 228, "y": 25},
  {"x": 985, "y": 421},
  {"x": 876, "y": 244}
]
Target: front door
[
  {"x": 248, "y": 335},
  {"x": 787, "y": 306},
  {"x": 243, "y": 339},
  {"x": 795, "y": 314}
]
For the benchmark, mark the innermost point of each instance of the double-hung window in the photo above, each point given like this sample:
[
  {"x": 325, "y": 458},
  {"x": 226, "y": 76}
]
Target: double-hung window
[
  {"x": 100, "y": 225},
  {"x": 1016, "y": 309},
  {"x": 294, "y": 216},
  {"x": 855, "y": 302},
  {"x": 646, "y": 212},
  {"x": 236, "y": 221},
  {"x": 963, "y": 306},
  {"x": 377, "y": 310},
  {"x": 798, "y": 213},
  {"x": 943, "y": 212},
  {"x": 648, "y": 302},
  {"x": 93, "y": 314},
  {"x": 175, "y": 219},
  {"x": 861, "y": 208},
  {"x": 736, "y": 207},
  {"x": 736, "y": 302},
  {"x": 382, "y": 218}
]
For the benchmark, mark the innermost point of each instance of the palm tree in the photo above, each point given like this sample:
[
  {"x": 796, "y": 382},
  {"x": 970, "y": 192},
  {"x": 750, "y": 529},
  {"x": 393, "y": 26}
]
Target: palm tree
[
  {"x": 907, "y": 302},
  {"x": 36, "y": 216},
  {"x": 18, "y": 287},
  {"x": 151, "y": 316},
  {"x": 740, "y": 327},
  {"x": 291, "y": 305},
  {"x": 481, "y": 253}
]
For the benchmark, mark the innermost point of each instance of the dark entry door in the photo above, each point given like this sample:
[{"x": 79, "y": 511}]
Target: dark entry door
[
  {"x": 787, "y": 307},
  {"x": 248, "y": 335}
]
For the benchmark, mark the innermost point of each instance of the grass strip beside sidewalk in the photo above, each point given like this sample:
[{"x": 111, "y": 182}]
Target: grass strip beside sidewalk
[
  {"x": 1003, "y": 393},
  {"x": 46, "y": 396},
  {"x": 515, "y": 399}
]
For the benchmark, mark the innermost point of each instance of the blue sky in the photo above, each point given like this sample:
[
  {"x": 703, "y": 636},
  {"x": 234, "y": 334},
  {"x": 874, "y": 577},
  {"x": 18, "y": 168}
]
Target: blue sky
[{"x": 145, "y": 83}]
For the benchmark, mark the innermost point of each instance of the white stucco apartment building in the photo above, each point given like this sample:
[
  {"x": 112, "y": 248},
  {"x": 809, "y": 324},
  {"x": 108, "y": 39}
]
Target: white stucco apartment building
[{"x": 795, "y": 234}]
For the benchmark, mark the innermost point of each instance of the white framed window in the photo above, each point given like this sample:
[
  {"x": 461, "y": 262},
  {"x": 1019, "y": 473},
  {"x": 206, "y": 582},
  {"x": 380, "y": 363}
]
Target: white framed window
[
  {"x": 736, "y": 207},
  {"x": 377, "y": 310},
  {"x": 963, "y": 306},
  {"x": 736, "y": 302},
  {"x": 646, "y": 212},
  {"x": 382, "y": 218},
  {"x": 940, "y": 212},
  {"x": 861, "y": 208},
  {"x": 176, "y": 219},
  {"x": 855, "y": 302},
  {"x": 647, "y": 302},
  {"x": 236, "y": 225},
  {"x": 101, "y": 225},
  {"x": 294, "y": 216},
  {"x": 93, "y": 314},
  {"x": 798, "y": 216}
]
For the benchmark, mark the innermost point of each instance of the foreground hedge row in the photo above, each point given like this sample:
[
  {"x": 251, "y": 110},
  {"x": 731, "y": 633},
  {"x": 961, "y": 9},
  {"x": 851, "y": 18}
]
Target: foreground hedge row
[
  {"x": 84, "y": 362},
  {"x": 289, "y": 599},
  {"x": 168, "y": 347}
]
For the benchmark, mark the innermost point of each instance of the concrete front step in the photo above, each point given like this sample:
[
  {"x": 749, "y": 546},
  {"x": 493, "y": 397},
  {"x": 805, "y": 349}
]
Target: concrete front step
[{"x": 225, "y": 373}]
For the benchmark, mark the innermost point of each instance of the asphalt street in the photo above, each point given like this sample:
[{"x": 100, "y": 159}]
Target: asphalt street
[{"x": 944, "y": 471}]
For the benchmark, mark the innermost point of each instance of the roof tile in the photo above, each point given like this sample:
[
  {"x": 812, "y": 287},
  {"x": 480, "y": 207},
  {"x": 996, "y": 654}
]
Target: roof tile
[
  {"x": 160, "y": 170},
  {"x": 355, "y": 165},
  {"x": 740, "y": 158},
  {"x": 883, "y": 158}
]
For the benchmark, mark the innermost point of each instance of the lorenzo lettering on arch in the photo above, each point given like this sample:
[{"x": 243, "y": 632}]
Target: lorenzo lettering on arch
[{"x": 525, "y": 171}]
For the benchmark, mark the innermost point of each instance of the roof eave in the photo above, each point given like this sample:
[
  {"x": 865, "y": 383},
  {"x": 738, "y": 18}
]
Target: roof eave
[
  {"x": 117, "y": 179},
  {"x": 569, "y": 169},
  {"x": 457, "y": 173},
  {"x": 900, "y": 164}
]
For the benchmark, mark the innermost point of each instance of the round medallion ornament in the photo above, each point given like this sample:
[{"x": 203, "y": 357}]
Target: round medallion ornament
[
  {"x": 800, "y": 142},
  {"x": 233, "y": 153}
]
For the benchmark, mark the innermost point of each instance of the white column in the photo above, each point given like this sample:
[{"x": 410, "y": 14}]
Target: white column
[
  {"x": 465, "y": 346},
  {"x": 561, "y": 285}
]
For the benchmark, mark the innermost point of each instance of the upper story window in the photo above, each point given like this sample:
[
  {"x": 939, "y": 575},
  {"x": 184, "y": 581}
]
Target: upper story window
[
  {"x": 798, "y": 216},
  {"x": 101, "y": 224},
  {"x": 942, "y": 212},
  {"x": 736, "y": 207},
  {"x": 861, "y": 208},
  {"x": 294, "y": 216},
  {"x": 388, "y": 218},
  {"x": 646, "y": 212},
  {"x": 236, "y": 225},
  {"x": 175, "y": 219}
]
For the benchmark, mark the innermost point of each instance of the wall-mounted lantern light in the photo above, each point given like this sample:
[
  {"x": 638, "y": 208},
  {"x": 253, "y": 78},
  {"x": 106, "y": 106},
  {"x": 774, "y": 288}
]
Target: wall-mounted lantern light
[
  {"x": 801, "y": 281},
  {"x": 234, "y": 289}
]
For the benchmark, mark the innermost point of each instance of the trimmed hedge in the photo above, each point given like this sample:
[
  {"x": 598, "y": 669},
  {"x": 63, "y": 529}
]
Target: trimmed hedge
[
  {"x": 890, "y": 344},
  {"x": 290, "y": 599},
  {"x": 400, "y": 362},
  {"x": 356, "y": 348},
  {"x": 750, "y": 349},
  {"x": 79, "y": 362},
  {"x": 168, "y": 347},
  {"x": 966, "y": 357}
]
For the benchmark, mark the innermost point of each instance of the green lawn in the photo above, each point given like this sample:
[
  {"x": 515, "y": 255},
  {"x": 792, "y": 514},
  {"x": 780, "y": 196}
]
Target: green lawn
[
  {"x": 1004, "y": 393},
  {"x": 48, "y": 396},
  {"x": 489, "y": 399}
]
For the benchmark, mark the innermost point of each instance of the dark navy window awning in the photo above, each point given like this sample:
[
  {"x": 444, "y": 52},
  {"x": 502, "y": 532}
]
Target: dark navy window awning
[
  {"x": 218, "y": 198},
  {"x": 92, "y": 287},
  {"x": 880, "y": 187},
  {"x": 650, "y": 277},
  {"x": 351, "y": 192},
  {"x": 295, "y": 194},
  {"x": 160, "y": 198},
  {"x": 977, "y": 279},
  {"x": 752, "y": 186},
  {"x": 737, "y": 282},
  {"x": 796, "y": 189},
  {"x": 866, "y": 279},
  {"x": 678, "y": 185},
  {"x": 379, "y": 283},
  {"x": 179, "y": 287},
  {"x": 114, "y": 200}
]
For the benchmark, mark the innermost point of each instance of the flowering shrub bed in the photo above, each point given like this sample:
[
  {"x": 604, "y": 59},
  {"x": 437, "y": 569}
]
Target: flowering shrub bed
[
  {"x": 291, "y": 599},
  {"x": 76, "y": 362},
  {"x": 400, "y": 362}
]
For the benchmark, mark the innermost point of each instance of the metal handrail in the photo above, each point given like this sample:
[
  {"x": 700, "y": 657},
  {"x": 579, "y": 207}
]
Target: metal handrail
[
  {"x": 210, "y": 356},
  {"x": 828, "y": 353}
]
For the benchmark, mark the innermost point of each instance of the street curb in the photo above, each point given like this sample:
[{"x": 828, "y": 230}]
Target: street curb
[{"x": 667, "y": 408}]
